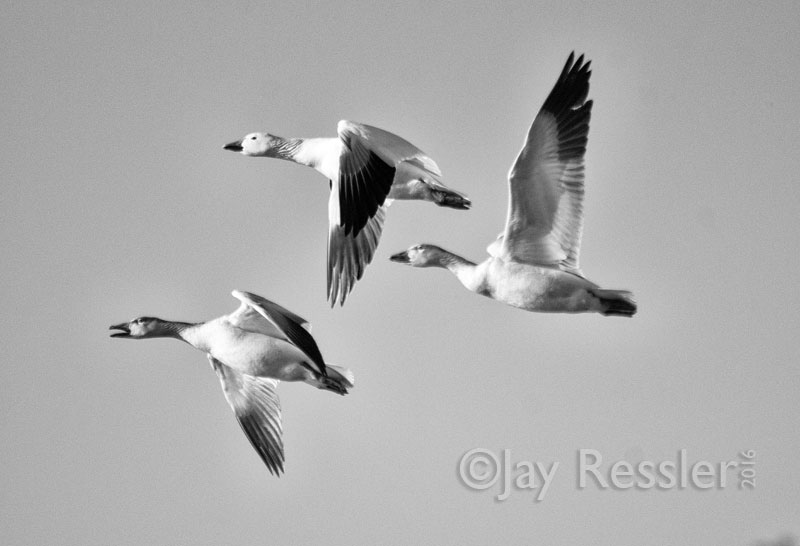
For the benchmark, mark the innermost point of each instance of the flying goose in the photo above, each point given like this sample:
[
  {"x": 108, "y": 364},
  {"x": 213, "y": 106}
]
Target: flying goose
[
  {"x": 252, "y": 350},
  {"x": 367, "y": 167},
  {"x": 533, "y": 263}
]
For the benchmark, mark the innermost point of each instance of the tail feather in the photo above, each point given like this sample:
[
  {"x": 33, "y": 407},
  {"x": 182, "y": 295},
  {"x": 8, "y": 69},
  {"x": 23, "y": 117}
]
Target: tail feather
[
  {"x": 618, "y": 303},
  {"x": 343, "y": 374},
  {"x": 451, "y": 201},
  {"x": 445, "y": 197},
  {"x": 338, "y": 380}
]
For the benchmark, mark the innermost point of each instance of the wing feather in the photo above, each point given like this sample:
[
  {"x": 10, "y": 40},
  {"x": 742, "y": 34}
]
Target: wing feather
[
  {"x": 365, "y": 180},
  {"x": 250, "y": 320},
  {"x": 546, "y": 182},
  {"x": 349, "y": 255},
  {"x": 357, "y": 206},
  {"x": 258, "y": 411},
  {"x": 294, "y": 328},
  {"x": 391, "y": 148}
]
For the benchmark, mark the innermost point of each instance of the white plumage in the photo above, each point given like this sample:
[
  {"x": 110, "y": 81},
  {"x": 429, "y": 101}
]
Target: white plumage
[
  {"x": 534, "y": 262},
  {"x": 251, "y": 350},
  {"x": 367, "y": 168}
]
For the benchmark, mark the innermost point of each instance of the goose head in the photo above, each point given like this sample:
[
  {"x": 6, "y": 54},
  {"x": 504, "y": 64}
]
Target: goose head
[
  {"x": 253, "y": 144},
  {"x": 142, "y": 328},
  {"x": 421, "y": 256}
]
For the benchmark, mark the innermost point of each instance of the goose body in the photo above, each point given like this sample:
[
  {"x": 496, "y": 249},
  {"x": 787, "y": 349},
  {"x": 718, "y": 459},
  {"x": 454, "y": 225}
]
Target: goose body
[
  {"x": 367, "y": 168},
  {"x": 533, "y": 263},
  {"x": 251, "y": 350},
  {"x": 248, "y": 352}
]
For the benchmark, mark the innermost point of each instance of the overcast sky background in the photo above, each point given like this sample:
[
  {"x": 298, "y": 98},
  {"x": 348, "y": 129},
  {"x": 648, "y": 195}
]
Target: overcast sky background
[{"x": 118, "y": 200}]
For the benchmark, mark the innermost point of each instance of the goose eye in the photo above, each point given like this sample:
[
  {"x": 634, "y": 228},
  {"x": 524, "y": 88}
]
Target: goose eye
[{"x": 252, "y": 138}]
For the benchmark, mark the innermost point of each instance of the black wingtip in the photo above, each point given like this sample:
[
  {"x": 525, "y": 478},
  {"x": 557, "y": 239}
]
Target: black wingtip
[
  {"x": 571, "y": 89},
  {"x": 363, "y": 193}
]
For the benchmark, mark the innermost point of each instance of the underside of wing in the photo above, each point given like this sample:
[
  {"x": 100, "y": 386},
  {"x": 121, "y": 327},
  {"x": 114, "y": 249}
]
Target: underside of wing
[
  {"x": 349, "y": 255},
  {"x": 258, "y": 411},
  {"x": 294, "y": 328},
  {"x": 546, "y": 182}
]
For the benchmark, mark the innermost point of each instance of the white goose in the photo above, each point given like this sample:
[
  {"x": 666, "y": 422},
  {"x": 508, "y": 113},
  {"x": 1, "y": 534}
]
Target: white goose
[
  {"x": 252, "y": 349},
  {"x": 533, "y": 264},
  {"x": 366, "y": 167}
]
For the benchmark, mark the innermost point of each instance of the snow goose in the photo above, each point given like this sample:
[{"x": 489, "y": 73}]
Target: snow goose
[
  {"x": 533, "y": 264},
  {"x": 251, "y": 350},
  {"x": 366, "y": 167}
]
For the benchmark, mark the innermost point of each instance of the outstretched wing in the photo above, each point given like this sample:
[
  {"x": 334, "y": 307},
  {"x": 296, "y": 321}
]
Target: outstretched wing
[
  {"x": 545, "y": 211},
  {"x": 258, "y": 411},
  {"x": 293, "y": 328}
]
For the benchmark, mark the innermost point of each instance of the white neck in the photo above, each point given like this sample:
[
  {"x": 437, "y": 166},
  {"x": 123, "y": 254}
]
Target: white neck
[
  {"x": 321, "y": 154},
  {"x": 193, "y": 335},
  {"x": 470, "y": 274}
]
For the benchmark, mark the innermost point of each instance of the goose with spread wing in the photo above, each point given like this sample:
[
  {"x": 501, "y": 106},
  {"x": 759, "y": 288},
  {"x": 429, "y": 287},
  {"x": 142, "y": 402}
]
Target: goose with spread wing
[
  {"x": 252, "y": 350},
  {"x": 533, "y": 264},
  {"x": 367, "y": 168}
]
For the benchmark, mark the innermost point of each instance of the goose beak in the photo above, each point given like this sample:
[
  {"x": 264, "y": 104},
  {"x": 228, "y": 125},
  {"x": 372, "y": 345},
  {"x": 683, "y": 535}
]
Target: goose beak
[
  {"x": 234, "y": 146},
  {"x": 126, "y": 331},
  {"x": 400, "y": 257}
]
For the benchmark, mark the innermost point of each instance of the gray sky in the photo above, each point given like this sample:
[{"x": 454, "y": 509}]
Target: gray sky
[{"x": 118, "y": 200}]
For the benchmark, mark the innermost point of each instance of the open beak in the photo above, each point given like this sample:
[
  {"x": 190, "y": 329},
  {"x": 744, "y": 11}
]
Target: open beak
[
  {"x": 126, "y": 331},
  {"x": 400, "y": 257},
  {"x": 234, "y": 146}
]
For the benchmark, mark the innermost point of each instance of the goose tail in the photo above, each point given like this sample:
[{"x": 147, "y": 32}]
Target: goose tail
[
  {"x": 343, "y": 375},
  {"x": 615, "y": 303},
  {"x": 445, "y": 197},
  {"x": 338, "y": 380}
]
